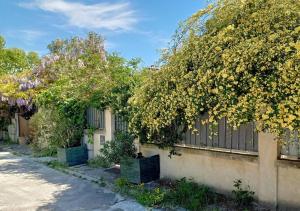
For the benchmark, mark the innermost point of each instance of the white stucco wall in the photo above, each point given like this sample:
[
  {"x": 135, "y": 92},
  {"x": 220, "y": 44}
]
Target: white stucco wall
[
  {"x": 107, "y": 132},
  {"x": 276, "y": 182}
]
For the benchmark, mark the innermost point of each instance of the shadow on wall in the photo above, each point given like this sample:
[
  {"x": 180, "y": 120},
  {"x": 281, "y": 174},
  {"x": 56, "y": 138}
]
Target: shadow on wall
[{"x": 27, "y": 185}]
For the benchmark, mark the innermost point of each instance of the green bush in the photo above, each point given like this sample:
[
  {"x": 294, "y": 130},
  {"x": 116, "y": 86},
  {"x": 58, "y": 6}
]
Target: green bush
[
  {"x": 242, "y": 196},
  {"x": 121, "y": 146},
  {"x": 190, "y": 195},
  {"x": 51, "y": 128},
  {"x": 235, "y": 59}
]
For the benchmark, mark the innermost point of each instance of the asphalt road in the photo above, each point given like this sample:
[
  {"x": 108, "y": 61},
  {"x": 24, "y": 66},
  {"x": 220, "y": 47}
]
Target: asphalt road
[{"x": 27, "y": 185}]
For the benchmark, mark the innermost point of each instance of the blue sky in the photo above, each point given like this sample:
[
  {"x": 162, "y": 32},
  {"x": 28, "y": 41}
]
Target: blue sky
[{"x": 133, "y": 28}]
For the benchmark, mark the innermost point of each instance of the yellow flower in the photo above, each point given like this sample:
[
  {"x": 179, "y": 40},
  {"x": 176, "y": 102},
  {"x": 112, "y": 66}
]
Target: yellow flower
[{"x": 224, "y": 75}]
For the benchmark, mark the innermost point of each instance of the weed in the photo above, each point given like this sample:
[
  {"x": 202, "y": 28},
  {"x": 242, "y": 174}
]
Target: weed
[
  {"x": 99, "y": 161},
  {"x": 102, "y": 182},
  {"x": 187, "y": 194},
  {"x": 122, "y": 185},
  {"x": 44, "y": 152},
  {"x": 242, "y": 196},
  {"x": 190, "y": 195},
  {"x": 151, "y": 198},
  {"x": 56, "y": 165}
]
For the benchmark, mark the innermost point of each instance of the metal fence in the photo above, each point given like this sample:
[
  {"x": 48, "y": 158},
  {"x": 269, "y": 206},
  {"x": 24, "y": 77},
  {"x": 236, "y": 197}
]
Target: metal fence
[
  {"x": 291, "y": 145},
  {"x": 244, "y": 138},
  {"x": 95, "y": 118},
  {"x": 121, "y": 125}
]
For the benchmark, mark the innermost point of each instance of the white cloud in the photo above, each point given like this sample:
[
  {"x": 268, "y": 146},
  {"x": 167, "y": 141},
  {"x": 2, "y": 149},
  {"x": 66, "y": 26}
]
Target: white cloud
[
  {"x": 31, "y": 35},
  {"x": 111, "y": 16}
]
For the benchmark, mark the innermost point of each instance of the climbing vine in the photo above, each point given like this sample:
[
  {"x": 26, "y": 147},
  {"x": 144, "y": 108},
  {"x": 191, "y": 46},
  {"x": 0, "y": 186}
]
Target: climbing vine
[{"x": 235, "y": 59}]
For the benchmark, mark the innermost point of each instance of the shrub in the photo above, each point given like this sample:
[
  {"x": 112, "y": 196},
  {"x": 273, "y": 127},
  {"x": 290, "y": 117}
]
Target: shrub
[
  {"x": 236, "y": 59},
  {"x": 51, "y": 129},
  {"x": 121, "y": 146},
  {"x": 242, "y": 196},
  {"x": 190, "y": 195}
]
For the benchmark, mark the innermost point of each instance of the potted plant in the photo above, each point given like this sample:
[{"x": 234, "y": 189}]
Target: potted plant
[
  {"x": 70, "y": 149},
  {"x": 72, "y": 155},
  {"x": 60, "y": 132},
  {"x": 134, "y": 167},
  {"x": 140, "y": 169}
]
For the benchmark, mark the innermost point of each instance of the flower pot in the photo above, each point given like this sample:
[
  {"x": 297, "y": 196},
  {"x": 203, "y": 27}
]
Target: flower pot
[
  {"x": 73, "y": 156},
  {"x": 140, "y": 170}
]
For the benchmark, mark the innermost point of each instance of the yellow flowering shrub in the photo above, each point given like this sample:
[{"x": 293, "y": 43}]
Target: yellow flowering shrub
[{"x": 238, "y": 59}]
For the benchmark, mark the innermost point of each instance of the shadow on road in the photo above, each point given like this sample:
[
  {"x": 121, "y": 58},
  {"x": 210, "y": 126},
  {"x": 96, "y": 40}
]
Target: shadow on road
[{"x": 27, "y": 185}]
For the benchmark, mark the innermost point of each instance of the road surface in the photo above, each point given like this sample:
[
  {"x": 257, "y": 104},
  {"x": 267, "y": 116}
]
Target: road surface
[{"x": 27, "y": 185}]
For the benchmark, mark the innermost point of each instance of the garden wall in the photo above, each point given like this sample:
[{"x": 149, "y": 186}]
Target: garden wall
[
  {"x": 275, "y": 182},
  {"x": 100, "y": 136}
]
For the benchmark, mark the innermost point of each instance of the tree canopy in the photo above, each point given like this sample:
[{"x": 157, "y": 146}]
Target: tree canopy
[
  {"x": 235, "y": 59},
  {"x": 76, "y": 73},
  {"x": 15, "y": 60},
  {"x": 79, "y": 70}
]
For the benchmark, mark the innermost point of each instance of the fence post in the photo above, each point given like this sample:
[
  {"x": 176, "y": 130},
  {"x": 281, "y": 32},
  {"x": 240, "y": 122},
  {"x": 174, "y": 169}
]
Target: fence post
[
  {"x": 268, "y": 150},
  {"x": 109, "y": 124}
]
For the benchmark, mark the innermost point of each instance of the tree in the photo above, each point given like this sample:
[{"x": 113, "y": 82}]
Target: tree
[
  {"x": 2, "y": 42},
  {"x": 78, "y": 74},
  {"x": 79, "y": 69},
  {"x": 238, "y": 59},
  {"x": 14, "y": 60}
]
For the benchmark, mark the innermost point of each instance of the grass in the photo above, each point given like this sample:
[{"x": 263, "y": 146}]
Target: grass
[
  {"x": 99, "y": 162},
  {"x": 8, "y": 141},
  {"x": 185, "y": 194},
  {"x": 56, "y": 165},
  {"x": 182, "y": 193},
  {"x": 149, "y": 198},
  {"x": 190, "y": 195},
  {"x": 43, "y": 152}
]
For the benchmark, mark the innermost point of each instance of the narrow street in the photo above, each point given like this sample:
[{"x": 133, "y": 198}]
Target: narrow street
[{"x": 29, "y": 185}]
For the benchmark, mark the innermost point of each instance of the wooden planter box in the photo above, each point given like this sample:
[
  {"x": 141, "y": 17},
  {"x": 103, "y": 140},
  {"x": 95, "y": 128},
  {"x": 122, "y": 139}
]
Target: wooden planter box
[
  {"x": 73, "y": 156},
  {"x": 141, "y": 170}
]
